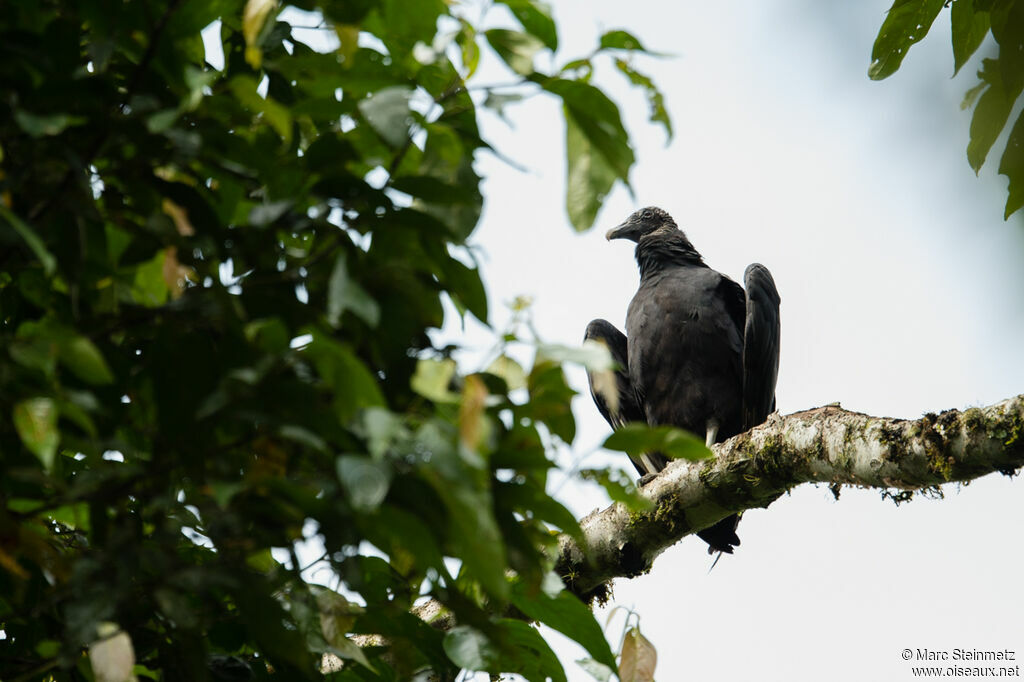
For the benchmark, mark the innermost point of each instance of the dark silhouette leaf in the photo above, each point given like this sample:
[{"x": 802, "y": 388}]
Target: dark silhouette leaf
[{"x": 906, "y": 23}]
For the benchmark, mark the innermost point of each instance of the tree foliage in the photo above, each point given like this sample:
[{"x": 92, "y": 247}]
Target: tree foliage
[
  {"x": 216, "y": 291},
  {"x": 1000, "y": 80}
]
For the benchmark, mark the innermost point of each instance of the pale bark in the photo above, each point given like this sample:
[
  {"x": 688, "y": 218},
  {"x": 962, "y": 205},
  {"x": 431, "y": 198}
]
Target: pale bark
[{"x": 826, "y": 445}]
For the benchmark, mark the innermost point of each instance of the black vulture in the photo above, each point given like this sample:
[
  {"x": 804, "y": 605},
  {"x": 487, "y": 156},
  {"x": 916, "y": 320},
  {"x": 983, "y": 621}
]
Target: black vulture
[{"x": 699, "y": 352}]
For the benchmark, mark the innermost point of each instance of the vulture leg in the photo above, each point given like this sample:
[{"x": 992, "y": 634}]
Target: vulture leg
[
  {"x": 760, "y": 345},
  {"x": 711, "y": 433},
  {"x": 613, "y": 393},
  {"x": 721, "y": 537}
]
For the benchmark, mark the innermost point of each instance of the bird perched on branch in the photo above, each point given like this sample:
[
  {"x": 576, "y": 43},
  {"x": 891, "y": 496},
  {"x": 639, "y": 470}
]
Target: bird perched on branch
[{"x": 699, "y": 352}]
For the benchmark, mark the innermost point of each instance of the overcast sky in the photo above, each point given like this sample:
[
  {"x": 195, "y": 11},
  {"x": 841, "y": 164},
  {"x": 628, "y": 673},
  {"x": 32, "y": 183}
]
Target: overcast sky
[{"x": 902, "y": 293}]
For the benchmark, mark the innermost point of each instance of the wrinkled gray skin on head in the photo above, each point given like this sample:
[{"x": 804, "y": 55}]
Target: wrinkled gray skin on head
[{"x": 641, "y": 223}]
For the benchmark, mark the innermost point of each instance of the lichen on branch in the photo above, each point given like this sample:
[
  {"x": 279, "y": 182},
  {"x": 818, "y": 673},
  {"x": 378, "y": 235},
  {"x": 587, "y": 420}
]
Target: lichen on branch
[{"x": 823, "y": 445}]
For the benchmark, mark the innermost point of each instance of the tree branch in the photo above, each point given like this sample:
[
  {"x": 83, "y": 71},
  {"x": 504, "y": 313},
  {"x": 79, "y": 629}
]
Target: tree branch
[{"x": 823, "y": 445}]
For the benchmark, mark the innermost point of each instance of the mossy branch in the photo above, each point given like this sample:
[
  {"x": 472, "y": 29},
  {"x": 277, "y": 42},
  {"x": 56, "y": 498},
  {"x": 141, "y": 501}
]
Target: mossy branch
[{"x": 823, "y": 445}]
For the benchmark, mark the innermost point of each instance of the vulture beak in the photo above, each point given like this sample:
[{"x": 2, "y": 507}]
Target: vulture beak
[{"x": 631, "y": 230}]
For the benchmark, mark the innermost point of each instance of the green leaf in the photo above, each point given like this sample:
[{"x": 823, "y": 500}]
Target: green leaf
[
  {"x": 635, "y": 439},
  {"x": 1007, "y": 20},
  {"x": 48, "y": 648},
  {"x": 589, "y": 180},
  {"x": 593, "y": 355},
  {"x": 269, "y": 334},
  {"x": 198, "y": 82},
  {"x": 262, "y": 561},
  {"x": 432, "y": 380},
  {"x": 244, "y": 88},
  {"x": 521, "y": 448},
  {"x": 222, "y": 494},
  {"x": 35, "y": 352},
  {"x": 149, "y": 288},
  {"x": 475, "y": 534},
  {"x": 460, "y": 479},
  {"x": 550, "y": 399},
  {"x": 659, "y": 114},
  {"x": 907, "y": 22},
  {"x": 76, "y": 409},
  {"x": 344, "y": 293},
  {"x": 497, "y": 102},
  {"x": 354, "y": 387},
  {"x": 598, "y": 119},
  {"x": 337, "y": 615},
  {"x": 465, "y": 286},
  {"x": 970, "y": 26},
  {"x": 639, "y": 658},
  {"x": 387, "y": 112},
  {"x": 990, "y": 114},
  {"x": 448, "y": 157},
  {"x": 531, "y": 656},
  {"x": 597, "y": 148},
  {"x": 24, "y": 506},
  {"x": 508, "y": 369},
  {"x": 403, "y": 23},
  {"x": 380, "y": 428},
  {"x": 567, "y": 614},
  {"x": 254, "y": 17},
  {"x": 35, "y": 420},
  {"x": 40, "y": 343},
  {"x": 1012, "y": 166},
  {"x": 366, "y": 481},
  {"x": 343, "y": 647},
  {"x": 161, "y": 120},
  {"x": 72, "y": 515},
  {"x": 267, "y": 213},
  {"x": 434, "y": 190},
  {"x": 531, "y": 499},
  {"x": 43, "y": 126},
  {"x": 470, "y": 649},
  {"x": 536, "y": 19},
  {"x": 271, "y": 629},
  {"x": 405, "y": 537},
  {"x": 470, "y": 47},
  {"x": 598, "y": 671},
  {"x": 621, "y": 40},
  {"x": 971, "y": 96},
  {"x": 619, "y": 486},
  {"x": 85, "y": 360},
  {"x": 35, "y": 244},
  {"x": 516, "y": 48}
]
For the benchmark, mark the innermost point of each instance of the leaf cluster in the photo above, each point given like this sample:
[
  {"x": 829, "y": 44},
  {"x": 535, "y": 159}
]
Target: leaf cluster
[
  {"x": 1001, "y": 78},
  {"x": 217, "y": 283}
]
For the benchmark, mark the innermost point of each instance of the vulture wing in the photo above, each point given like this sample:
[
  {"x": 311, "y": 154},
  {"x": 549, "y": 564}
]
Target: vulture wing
[
  {"x": 760, "y": 345},
  {"x": 613, "y": 392}
]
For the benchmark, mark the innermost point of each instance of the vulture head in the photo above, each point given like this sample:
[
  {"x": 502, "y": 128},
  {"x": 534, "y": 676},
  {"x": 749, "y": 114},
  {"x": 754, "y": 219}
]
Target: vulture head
[{"x": 642, "y": 223}]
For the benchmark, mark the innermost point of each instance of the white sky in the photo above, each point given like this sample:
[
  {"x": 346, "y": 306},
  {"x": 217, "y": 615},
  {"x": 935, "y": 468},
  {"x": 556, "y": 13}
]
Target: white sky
[{"x": 901, "y": 294}]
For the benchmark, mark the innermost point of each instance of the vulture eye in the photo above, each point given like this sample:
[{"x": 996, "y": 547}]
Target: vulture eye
[{"x": 646, "y": 215}]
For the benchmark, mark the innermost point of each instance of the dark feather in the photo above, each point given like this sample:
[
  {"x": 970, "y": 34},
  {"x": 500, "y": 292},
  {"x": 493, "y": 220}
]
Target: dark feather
[
  {"x": 627, "y": 408},
  {"x": 699, "y": 352},
  {"x": 760, "y": 345}
]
